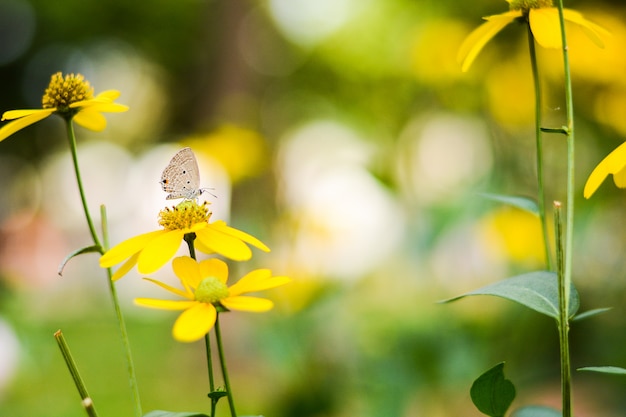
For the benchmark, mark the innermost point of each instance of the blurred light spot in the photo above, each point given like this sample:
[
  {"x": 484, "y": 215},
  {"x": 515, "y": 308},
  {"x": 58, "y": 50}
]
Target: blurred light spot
[
  {"x": 17, "y": 28},
  {"x": 308, "y": 22},
  {"x": 242, "y": 152},
  {"x": 9, "y": 355},
  {"x": 511, "y": 93},
  {"x": 345, "y": 222},
  {"x": 21, "y": 193},
  {"x": 443, "y": 155},
  {"x": 264, "y": 49}
]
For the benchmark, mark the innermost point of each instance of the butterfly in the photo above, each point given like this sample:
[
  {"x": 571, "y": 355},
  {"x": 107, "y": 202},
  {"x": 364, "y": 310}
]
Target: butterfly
[{"x": 181, "y": 177}]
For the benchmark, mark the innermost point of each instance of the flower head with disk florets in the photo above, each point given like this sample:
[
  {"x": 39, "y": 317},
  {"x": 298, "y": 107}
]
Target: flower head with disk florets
[
  {"x": 71, "y": 97},
  {"x": 150, "y": 251},
  {"x": 207, "y": 293},
  {"x": 543, "y": 19}
]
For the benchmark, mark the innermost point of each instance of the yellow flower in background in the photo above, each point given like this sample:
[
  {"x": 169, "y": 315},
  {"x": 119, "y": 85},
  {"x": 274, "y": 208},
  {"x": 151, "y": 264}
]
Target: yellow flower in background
[
  {"x": 71, "y": 97},
  {"x": 614, "y": 164},
  {"x": 150, "y": 251},
  {"x": 544, "y": 23},
  {"x": 206, "y": 292}
]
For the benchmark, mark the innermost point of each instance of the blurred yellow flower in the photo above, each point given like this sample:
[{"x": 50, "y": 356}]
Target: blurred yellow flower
[
  {"x": 614, "y": 164},
  {"x": 206, "y": 292},
  {"x": 543, "y": 19},
  {"x": 150, "y": 251},
  {"x": 71, "y": 97}
]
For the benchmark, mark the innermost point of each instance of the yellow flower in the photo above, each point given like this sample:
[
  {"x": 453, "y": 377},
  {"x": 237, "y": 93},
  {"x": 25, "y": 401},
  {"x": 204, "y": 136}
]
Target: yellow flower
[
  {"x": 544, "y": 24},
  {"x": 150, "y": 251},
  {"x": 71, "y": 97},
  {"x": 206, "y": 293},
  {"x": 614, "y": 164}
]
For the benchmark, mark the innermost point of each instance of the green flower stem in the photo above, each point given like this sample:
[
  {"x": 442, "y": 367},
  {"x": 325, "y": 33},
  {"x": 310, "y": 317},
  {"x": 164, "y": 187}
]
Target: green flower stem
[
  {"x": 78, "y": 380},
  {"x": 569, "y": 232},
  {"x": 563, "y": 322},
  {"x": 132, "y": 376},
  {"x": 72, "y": 139},
  {"x": 220, "y": 349},
  {"x": 189, "y": 238},
  {"x": 539, "y": 145},
  {"x": 209, "y": 360}
]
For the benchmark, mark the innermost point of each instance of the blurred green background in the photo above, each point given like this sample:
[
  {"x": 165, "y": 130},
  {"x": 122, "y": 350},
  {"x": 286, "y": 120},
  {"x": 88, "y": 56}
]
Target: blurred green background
[{"x": 343, "y": 134}]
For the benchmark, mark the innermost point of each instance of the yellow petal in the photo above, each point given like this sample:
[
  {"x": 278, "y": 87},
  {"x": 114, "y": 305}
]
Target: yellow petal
[
  {"x": 164, "y": 304},
  {"x": 171, "y": 289},
  {"x": 258, "y": 280},
  {"x": 544, "y": 23},
  {"x": 243, "y": 303},
  {"x": 127, "y": 248},
  {"x": 194, "y": 323},
  {"x": 476, "y": 40},
  {"x": 210, "y": 240},
  {"x": 221, "y": 226},
  {"x": 19, "y": 124},
  {"x": 91, "y": 120},
  {"x": 612, "y": 164},
  {"x": 159, "y": 250},
  {"x": 620, "y": 178},
  {"x": 17, "y": 114},
  {"x": 593, "y": 31},
  {"x": 127, "y": 266},
  {"x": 188, "y": 271},
  {"x": 214, "y": 268}
]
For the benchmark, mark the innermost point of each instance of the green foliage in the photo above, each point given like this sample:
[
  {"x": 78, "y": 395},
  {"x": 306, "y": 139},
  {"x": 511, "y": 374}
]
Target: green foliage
[
  {"x": 605, "y": 369},
  {"x": 88, "y": 249},
  {"x": 523, "y": 203},
  {"x": 536, "y": 411},
  {"x": 591, "y": 313},
  {"x": 161, "y": 413},
  {"x": 491, "y": 393},
  {"x": 536, "y": 290}
]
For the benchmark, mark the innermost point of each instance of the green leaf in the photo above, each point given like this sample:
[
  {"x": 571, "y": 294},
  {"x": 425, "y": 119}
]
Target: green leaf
[
  {"x": 591, "y": 313},
  {"x": 604, "y": 369},
  {"x": 216, "y": 395},
  {"x": 491, "y": 393},
  {"x": 523, "y": 203},
  {"x": 536, "y": 411},
  {"x": 536, "y": 290},
  {"x": 161, "y": 413},
  {"x": 88, "y": 249}
]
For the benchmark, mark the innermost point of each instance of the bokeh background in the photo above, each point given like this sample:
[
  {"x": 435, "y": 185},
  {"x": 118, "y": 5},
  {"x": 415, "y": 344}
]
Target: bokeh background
[{"x": 343, "y": 134}]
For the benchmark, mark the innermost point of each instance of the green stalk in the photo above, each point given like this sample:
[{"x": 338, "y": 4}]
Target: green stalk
[
  {"x": 209, "y": 360},
  {"x": 72, "y": 139},
  {"x": 78, "y": 380},
  {"x": 220, "y": 349},
  {"x": 132, "y": 375},
  {"x": 563, "y": 322},
  {"x": 539, "y": 145},
  {"x": 569, "y": 232}
]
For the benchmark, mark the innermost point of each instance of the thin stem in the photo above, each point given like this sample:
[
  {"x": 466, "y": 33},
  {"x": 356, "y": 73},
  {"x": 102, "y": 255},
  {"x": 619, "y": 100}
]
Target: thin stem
[
  {"x": 569, "y": 232},
  {"x": 72, "y": 139},
  {"x": 220, "y": 349},
  {"x": 539, "y": 144},
  {"x": 132, "y": 375},
  {"x": 209, "y": 361},
  {"x": 189, "y": 238},
  {"x": 78, "y": 380},
  {"x": 563, "y": 322}
]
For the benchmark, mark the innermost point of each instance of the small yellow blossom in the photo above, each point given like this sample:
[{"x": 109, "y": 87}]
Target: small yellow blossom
[
  {"x": 150, "y": 251},
  {"x": 614, "y": 164},
  {"x": 206, "y": 291},
  {"x": 544, "y": 23},
  {"x": 71, "y": 97}
]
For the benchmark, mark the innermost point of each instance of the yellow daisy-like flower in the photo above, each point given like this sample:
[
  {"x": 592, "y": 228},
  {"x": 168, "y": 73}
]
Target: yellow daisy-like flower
[
  {"x": 614, "y": 164},
  {"x": 206, "y": 292},
  {"x": 543, "y": 19},
  {"x": 150, "y": 251},
  {"x": 71, "y": 97}
]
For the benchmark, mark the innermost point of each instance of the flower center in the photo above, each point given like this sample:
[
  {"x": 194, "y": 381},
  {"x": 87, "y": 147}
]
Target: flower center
[
  {"x": 526, "y": 5},
  {"x": 211, "y": 290},
  {"x": 63, "y": 91},
  {"x": 184, "y": 215}
]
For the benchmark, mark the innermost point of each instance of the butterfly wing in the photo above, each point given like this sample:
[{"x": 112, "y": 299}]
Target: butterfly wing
[{"x": 181, "y": 178}]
